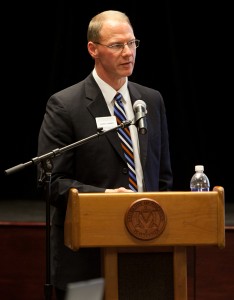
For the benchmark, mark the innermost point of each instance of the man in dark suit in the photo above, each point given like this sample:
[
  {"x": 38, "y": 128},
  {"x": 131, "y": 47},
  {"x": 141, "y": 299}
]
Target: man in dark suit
[{"x": 100, "y": 165}]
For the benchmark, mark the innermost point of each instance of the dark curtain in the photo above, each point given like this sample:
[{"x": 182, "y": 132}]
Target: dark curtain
[{"x": 184, "y": 53}]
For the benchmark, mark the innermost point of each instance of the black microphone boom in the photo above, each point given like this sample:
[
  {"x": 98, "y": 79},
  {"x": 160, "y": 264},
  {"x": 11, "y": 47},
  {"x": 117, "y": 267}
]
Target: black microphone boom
[{"x": 139, "y": 108}]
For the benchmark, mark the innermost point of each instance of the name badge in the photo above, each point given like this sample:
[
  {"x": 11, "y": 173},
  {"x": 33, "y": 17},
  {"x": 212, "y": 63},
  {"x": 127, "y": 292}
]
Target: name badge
[{"x": 106, "y": 123}]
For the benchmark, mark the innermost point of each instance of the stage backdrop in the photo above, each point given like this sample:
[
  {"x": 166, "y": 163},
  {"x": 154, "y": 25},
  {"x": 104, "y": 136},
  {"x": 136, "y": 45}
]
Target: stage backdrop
[{"x": 184, "y": 53}]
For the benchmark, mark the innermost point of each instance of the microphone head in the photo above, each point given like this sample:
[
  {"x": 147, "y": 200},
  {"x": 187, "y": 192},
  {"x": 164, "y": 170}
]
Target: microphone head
[
  {"x": 139, "y": 108},
  {"x": 140, "y": 103}
]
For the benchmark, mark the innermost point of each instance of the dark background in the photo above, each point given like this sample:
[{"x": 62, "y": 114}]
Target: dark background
[{"x": 184, "y": 53}]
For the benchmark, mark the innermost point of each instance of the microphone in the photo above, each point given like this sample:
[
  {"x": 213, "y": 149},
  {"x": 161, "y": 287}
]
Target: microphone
[{"x": 139, "y": 108}]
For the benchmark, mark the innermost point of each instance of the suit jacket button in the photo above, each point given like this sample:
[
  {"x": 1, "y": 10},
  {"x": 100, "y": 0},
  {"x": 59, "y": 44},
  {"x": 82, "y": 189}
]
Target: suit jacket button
[{"x": 125, "y": 170}]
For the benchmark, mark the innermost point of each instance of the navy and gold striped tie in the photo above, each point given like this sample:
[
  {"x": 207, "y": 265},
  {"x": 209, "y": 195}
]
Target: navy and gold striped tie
[{"x": 126, "y": 141}]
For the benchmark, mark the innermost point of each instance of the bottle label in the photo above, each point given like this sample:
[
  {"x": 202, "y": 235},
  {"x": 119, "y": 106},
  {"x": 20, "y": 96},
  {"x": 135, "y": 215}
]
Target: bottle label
[{"x": 200, "y": 189}]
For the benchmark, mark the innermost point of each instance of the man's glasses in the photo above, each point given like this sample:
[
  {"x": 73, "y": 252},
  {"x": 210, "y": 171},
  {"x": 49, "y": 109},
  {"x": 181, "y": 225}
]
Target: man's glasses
[{"x": 133, "y": 44}]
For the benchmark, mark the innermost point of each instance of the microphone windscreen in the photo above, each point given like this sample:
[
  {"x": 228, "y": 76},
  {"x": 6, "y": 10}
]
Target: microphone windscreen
[{"x": 139, "y": 103}]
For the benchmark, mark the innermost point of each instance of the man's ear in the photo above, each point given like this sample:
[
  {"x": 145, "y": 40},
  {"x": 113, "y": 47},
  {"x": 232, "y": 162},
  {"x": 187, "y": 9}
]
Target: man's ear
[{"x": 93, "y": 51}]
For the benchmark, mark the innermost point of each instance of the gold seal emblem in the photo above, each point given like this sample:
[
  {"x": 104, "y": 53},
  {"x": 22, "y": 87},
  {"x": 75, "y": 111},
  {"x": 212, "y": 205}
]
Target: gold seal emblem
[{"x": 145, "y": 219}]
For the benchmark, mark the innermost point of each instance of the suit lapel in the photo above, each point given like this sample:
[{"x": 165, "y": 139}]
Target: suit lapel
[{"x": 98, "y": 108}]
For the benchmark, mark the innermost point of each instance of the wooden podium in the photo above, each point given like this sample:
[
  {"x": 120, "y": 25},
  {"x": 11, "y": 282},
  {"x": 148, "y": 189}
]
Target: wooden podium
[{"x": 184, "y": 218}]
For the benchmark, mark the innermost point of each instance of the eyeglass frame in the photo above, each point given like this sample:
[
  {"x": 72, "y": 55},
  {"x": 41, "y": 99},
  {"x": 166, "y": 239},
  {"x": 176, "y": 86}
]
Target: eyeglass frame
[{"x": 130, "y": 44}]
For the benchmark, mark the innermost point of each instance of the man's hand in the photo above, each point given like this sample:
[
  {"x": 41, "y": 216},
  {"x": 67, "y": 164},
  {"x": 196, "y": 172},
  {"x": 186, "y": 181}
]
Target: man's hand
[{"x": 119, "y": 190}]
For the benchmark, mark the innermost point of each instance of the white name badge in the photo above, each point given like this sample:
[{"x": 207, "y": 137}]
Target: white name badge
[{"x": 106, "y": 123}]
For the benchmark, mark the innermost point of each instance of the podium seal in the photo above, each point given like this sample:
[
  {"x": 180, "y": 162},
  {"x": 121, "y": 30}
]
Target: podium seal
[{"x": 145, "y": 219}]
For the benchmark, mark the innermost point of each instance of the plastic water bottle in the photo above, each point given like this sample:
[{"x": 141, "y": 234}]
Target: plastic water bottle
[{"x": 199, "y": 181}]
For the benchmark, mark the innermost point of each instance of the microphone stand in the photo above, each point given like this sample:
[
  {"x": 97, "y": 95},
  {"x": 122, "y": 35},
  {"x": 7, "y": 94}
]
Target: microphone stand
[{"x": 46, "y": 161}]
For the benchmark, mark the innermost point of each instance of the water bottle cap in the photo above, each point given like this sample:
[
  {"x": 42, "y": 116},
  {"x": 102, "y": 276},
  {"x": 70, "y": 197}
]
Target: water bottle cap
[{"x": 199, "y": 168}]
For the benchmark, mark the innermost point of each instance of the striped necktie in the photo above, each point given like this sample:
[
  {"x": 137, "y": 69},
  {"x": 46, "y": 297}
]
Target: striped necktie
[{"x": 126, "y": 142}]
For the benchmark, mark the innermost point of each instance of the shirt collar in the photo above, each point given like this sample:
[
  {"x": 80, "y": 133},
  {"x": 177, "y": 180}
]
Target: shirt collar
[{"x": 107, "y": 91}]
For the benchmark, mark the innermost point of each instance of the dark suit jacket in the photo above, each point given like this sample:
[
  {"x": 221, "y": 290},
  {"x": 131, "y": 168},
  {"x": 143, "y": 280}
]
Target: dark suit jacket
[{"x": 99, "y": 163}]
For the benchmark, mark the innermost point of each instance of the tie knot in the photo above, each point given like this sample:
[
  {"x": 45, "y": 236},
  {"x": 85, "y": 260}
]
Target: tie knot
[{"x": 118, "y": 97}]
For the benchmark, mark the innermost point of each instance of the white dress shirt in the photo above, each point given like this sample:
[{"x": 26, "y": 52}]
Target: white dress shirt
[{"x": 109, "y": 94}]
